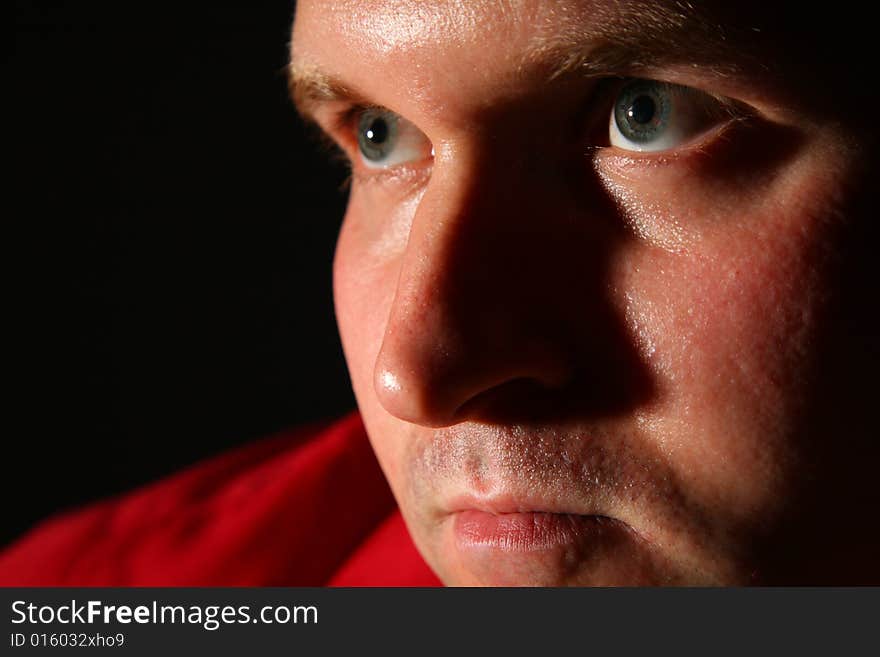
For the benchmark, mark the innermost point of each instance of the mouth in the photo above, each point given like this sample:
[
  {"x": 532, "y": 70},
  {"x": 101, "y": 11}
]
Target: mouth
[
  {"x": 541, "y": 506},
  {"x": 509, "y": 544},
  {"x": 529, "y": 531}
]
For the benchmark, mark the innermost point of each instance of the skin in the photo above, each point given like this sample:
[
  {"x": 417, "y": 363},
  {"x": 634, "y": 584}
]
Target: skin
[{"x": 677, "y": 346}]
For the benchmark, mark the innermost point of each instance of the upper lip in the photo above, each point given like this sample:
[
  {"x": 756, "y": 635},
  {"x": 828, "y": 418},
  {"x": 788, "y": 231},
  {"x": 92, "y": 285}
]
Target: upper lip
[{"x": 575, "y": 471}]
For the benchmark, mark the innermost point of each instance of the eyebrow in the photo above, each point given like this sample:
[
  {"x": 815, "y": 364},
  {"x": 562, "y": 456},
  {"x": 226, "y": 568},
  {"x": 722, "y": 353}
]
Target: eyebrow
[
  {"x": 619, "y": 42},
  {"x": 636, "y": 36},
  {"x": 309, "y": 87}
]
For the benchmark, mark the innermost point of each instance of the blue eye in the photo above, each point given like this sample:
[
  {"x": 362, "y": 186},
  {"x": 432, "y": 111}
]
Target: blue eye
[
  {"x": 386, "y": 139},
  {"x": 650, "y": 116},
  {"x": 377, "y": 132}
]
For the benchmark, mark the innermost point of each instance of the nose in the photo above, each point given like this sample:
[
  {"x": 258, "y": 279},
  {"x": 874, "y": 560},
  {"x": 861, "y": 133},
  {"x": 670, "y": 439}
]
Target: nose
[{"x": 493, "y": 290}]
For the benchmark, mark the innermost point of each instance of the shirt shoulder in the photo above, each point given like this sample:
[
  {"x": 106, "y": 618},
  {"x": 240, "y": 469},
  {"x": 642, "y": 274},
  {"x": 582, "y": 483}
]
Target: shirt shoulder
[{"x": 290, "y": 510}]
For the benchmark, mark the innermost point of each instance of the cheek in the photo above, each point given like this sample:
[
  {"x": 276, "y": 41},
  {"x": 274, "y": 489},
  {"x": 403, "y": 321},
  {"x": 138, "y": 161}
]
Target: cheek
[
  {"x": 727, "y": 319},
  {"x": 362, "y": 300},
  {"x": 365, "y": 270}
]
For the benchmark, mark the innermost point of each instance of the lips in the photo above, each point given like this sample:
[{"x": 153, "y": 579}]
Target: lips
[
  {"x": 540, "y": 548},
  {"x": 525, "y": 531}
]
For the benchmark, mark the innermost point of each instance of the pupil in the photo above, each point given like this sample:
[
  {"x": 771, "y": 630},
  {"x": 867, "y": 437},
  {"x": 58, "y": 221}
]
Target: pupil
[
  {"x": 378, "y": 131},
  {"x": 642, "y": 109}
]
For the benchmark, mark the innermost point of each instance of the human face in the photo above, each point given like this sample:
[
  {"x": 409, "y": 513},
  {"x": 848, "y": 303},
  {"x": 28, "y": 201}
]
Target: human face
[{"x": 586, "y": 354}]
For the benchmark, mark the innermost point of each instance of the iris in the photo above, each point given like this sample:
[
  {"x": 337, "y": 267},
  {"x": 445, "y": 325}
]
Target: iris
[
  {"x": 642, "y": 110},
  {"x": 377, "y": 134}
]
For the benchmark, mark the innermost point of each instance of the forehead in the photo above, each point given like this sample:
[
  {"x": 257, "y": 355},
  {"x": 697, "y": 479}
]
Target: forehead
[
  {"x": 409, "y": 26},
  {"x": 428, "y": 48},
  {"x": 434, "y": 54},
  {"x": 386, "y": 27},
  {"x": 417, "y": 48}
]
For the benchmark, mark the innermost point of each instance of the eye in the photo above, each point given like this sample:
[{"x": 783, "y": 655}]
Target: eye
[
  {"x": 650, "y": 116},
  {"x": 386, "y": 140}
]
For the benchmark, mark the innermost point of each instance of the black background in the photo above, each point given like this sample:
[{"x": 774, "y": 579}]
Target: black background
[{"x": 170, "y": 228}]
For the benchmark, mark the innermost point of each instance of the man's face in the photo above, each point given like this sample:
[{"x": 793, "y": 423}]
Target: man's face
[{"x": 600, "y": 287}]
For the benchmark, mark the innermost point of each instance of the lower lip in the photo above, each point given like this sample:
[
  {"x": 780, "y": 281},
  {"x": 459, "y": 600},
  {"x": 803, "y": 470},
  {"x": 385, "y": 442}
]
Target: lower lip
[{"x": 525, "y": 532}]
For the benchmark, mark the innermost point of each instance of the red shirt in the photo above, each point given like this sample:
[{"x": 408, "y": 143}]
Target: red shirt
[{"x": 305, "y": 508}]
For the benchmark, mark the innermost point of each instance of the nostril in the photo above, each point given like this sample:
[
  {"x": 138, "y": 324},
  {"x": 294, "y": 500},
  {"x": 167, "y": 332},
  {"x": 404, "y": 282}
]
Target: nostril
[
  {"x": 519, "y": 399},
  {"x": 418, "y": 382}
]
